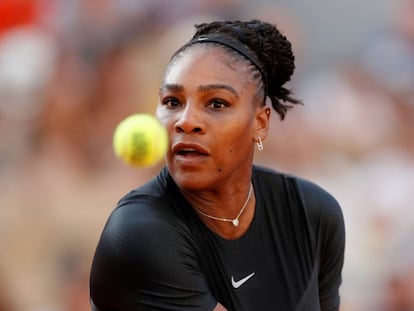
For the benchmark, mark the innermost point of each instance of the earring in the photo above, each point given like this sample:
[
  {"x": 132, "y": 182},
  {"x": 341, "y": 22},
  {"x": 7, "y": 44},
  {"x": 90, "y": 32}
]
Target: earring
[{"x": 259, "y": 143}]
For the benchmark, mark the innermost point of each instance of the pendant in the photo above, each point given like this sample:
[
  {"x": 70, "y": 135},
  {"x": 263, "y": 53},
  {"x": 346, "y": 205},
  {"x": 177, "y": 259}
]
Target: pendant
[{"x": 235, "y": 222}]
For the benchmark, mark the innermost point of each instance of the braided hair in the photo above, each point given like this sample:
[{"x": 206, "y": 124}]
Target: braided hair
[{"x": 268, "y": 50}]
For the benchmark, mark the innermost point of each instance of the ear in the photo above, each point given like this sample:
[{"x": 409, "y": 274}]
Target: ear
[{"x": 262, "y": 122}]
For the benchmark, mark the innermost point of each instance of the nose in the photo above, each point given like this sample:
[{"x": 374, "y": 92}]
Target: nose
[{"x": 189, "y": 121}]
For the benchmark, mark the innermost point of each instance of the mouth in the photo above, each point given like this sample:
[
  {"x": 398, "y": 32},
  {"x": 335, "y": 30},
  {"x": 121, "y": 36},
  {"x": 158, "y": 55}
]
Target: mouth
[{"x": 189, "y": 150}]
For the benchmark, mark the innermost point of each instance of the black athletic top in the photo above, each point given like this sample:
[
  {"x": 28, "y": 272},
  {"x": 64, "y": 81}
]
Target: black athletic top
[{"x": 156, "y": 254}]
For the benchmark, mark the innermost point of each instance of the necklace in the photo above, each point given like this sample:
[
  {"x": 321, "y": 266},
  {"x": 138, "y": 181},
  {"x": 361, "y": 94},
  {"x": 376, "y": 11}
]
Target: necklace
[{"x": 234, "y": 221}]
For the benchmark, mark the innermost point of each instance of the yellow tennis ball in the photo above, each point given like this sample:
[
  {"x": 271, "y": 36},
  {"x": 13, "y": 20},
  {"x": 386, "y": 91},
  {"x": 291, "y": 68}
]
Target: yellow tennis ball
[{"x": 140, "y": 140}]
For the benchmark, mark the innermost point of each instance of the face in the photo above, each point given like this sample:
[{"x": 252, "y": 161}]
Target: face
[{"x": 213, "y": 121}]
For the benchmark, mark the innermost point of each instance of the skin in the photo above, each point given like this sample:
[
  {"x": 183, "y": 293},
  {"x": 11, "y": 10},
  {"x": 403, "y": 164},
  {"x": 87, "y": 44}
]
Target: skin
[{"x": 209, "y": 106}]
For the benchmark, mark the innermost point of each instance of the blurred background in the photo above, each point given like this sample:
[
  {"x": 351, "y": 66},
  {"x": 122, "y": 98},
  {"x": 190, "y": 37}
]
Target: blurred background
[{"x": 70, "y": 70}]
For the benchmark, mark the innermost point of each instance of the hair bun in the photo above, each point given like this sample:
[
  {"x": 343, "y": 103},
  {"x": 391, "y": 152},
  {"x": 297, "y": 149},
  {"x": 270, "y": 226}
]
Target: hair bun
[{"x": 273, "y": 50}]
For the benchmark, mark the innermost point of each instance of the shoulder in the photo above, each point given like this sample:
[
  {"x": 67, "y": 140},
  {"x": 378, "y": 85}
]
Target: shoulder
[
  {"x": 317, "y": 198},
  {"x": 146, "y": 251},
  {"x": 143, "y": 220},
  {"x": 146, "y": 205},
  {"x": 267, "y": 178},
  {"x": 317, "y": 201},
  {"x": 154, "y": 204},
  {"x": 325, "y": 216}
]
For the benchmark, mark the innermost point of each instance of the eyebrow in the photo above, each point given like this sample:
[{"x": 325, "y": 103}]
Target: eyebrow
[
  {"x": 209, "y": 87},
  {"x": 202, "y": 88},
  {"x": 171, "y": 87}
]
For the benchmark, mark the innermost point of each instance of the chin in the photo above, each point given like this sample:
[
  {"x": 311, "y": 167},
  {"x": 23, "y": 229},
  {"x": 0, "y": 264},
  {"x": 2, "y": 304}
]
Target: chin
[{"x": 193, "y": 180}]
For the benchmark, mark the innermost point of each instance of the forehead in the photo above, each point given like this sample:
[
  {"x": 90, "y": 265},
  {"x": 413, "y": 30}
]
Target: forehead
[{"x": 208, "y": 64}]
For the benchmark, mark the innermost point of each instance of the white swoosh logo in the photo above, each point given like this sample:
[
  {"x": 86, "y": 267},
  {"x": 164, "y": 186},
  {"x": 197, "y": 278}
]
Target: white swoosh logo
[{"x": 237, "y": 284}]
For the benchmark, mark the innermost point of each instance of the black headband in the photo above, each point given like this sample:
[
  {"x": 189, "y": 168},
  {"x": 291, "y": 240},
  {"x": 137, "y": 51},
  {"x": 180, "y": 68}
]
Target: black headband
[{"x": 239, "y": 48}]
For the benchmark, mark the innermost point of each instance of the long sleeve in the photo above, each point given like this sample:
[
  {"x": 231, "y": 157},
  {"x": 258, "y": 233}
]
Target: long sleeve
[
  {"x": 142, "y": 262},
  {"x": 327, "y": 220}
]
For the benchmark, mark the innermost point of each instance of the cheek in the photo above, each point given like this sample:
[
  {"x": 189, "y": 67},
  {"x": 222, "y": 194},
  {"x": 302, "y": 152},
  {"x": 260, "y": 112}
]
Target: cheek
[
  {"x": 167, "y": 121},
  {"x": 161, "y": 115},
  {"x": 165, "y": 118},
  {"x": 236, "y": 141}
]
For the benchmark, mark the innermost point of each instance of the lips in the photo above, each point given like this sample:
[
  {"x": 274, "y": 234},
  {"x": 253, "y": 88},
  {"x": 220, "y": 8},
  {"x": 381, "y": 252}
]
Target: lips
[
  {"x": 189, "y": 149},
  {"x": 189, "y": 155}
]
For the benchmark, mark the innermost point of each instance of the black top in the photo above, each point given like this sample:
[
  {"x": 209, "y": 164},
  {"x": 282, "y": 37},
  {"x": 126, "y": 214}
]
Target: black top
[{"x": 156, "y": 254}]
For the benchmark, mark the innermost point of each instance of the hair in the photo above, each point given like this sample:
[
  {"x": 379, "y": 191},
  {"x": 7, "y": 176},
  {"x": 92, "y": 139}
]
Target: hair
[{"x": 264, "y": 46}]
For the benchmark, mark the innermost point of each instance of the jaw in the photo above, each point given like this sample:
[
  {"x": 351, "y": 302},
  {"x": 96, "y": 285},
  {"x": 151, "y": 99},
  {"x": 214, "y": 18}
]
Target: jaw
[{"x": 207, "y": 174}]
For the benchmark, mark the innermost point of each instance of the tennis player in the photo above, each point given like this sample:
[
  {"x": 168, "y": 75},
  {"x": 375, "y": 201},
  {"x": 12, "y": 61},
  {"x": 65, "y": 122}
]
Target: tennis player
[{"x": 213, "y": 231}]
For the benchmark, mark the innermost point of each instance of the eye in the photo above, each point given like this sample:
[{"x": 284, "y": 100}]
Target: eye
[
  {"x": 171, "y": 102},
  {"x": 218, "y": 104}
]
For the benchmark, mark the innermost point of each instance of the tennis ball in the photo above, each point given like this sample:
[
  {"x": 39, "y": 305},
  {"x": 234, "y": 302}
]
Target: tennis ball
[{"x": 140, "y": 140}]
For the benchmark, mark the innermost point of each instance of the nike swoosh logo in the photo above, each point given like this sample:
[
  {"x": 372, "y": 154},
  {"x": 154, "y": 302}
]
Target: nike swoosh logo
[{"x": 237, "y": 284}]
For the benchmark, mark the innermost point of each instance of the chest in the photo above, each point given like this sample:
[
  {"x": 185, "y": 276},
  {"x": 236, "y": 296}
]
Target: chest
[{"x": 270, "y": 266}]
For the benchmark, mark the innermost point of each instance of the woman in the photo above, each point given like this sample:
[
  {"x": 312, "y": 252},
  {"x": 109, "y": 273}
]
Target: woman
[{"x": 212, "y": 231}]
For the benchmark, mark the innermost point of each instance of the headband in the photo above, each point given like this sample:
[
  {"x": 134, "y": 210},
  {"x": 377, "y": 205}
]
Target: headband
[{"x": 239, "y": 48}]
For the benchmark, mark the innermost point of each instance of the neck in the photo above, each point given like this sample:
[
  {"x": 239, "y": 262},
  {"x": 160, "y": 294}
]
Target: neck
[
  {"x": 228, "y": 231},
  {"x": 227, "y": 214}
]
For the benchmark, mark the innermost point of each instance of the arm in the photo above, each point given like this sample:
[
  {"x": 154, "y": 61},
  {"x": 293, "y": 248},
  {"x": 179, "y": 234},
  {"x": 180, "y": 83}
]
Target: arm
[
  {"x": 143, "y": 263},
  {"x": 331, "y": 258},
  {"x": 327, "y": 221}
]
